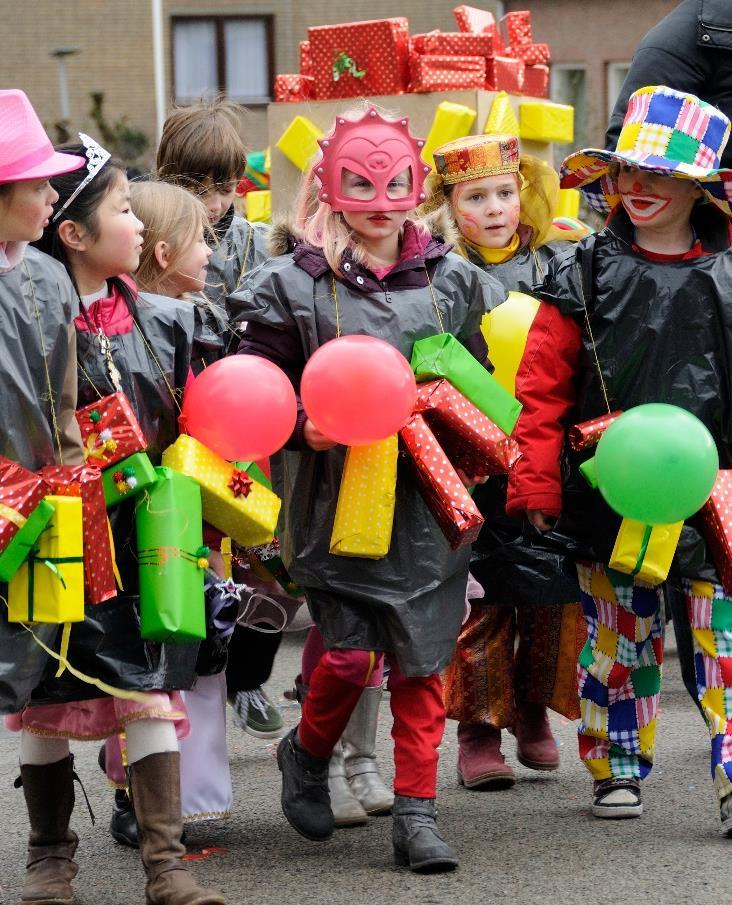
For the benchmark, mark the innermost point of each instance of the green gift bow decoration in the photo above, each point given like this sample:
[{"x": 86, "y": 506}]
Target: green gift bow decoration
[{"x": 343, "y": 64}]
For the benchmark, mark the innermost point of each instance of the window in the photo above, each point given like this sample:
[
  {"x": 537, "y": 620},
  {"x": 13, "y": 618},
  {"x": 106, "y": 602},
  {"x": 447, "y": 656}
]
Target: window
[
  {"x": 616, "y": 73},
  {"x": 568, "y": 87},
  {"x": 231, "y": 55}
]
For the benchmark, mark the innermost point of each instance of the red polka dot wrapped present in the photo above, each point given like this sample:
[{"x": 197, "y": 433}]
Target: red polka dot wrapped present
[
  {"x": 717, "y": 522},
  {"x": 110, "y": 430},
  {"x": 445, "y": 72}
]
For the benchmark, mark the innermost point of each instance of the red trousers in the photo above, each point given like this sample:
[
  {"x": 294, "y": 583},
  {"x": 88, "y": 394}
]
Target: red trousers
[{"x": 416, "y": 706}]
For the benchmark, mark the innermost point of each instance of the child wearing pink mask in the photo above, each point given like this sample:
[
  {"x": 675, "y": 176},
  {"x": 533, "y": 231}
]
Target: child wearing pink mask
[
  {"x": 646, "y": 319},
  {"x": 360, "y": 262}
]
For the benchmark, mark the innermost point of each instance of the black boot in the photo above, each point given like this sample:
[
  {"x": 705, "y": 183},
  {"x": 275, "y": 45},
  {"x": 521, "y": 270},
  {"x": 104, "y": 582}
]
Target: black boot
[
  {"x": 305, "y": 796},
  {"x": 417, "y": 841},
  {"x": 123, "y": 825}
]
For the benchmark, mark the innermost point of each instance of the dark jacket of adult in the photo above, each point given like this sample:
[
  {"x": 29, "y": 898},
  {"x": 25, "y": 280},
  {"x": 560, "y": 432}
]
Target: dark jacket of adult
[{"x": 690, "y": 50}]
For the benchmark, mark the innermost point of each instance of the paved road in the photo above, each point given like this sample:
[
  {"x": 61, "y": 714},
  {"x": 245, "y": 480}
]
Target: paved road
[{"x": 536, "y": 844}]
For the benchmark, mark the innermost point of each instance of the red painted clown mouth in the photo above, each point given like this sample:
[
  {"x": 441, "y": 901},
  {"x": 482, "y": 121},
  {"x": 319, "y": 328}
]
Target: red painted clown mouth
[{"x": 645, "y": 207}]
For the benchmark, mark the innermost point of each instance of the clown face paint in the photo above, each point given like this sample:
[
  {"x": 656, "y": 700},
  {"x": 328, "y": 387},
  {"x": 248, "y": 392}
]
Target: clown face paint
[
  {"x": 487, "y": 210},
  {"x": 654, "y": 203}
]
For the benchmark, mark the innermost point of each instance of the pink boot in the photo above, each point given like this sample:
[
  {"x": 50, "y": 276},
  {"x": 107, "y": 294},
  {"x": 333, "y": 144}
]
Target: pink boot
[
  {"x": 535, "y": 745},
  {"x": 480, "y": 764}
]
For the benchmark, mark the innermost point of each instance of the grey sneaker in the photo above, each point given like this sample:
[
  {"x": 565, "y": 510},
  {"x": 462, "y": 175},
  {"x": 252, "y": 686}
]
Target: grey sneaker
[
  {"x": 725, "y": 814},
  {"x": 617, "y": 799},
  {"x": 256, "y": 714}
]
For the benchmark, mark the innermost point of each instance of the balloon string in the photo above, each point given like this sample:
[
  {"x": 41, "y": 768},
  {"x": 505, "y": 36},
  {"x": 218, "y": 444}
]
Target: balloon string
[{"x": 592, "y": 339}]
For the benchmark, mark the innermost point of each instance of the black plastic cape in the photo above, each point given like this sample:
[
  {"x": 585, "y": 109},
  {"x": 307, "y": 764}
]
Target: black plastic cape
[
  {"x": 662, "y": 333},
  {"x": 107, "y": 644}
]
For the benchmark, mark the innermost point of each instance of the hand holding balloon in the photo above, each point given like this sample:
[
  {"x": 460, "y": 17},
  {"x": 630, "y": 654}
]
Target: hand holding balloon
[{"x": 314, "y": 439}]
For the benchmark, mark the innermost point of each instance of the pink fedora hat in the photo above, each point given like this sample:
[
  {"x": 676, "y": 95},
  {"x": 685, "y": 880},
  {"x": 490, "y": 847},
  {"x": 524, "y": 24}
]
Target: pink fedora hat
[{"x": 25, "y": 150}]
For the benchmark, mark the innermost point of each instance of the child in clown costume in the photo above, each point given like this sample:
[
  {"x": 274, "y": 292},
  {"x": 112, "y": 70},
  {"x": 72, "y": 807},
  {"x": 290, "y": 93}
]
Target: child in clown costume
[
  {"x": 361, "y": 264},
  {"x": 646, "y": 319},
  {"x": 502, "y": 203}
]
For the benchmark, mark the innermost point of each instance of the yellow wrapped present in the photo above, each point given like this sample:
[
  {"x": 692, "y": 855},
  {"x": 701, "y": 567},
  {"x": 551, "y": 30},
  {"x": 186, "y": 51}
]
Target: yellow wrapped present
[
  {"x": 365, "y": 510},
  {"x": 299, "y": 142},
  {"x": 259, "y": 206},
  {"x": 645, "y": 551},
  {"x": 233, "y": 502},
  {"x": 49, "y": 586},
  {"x": 544, "y": 121},
  {"x": 501, "y": 120},
  {"x": 450, "y": 121},
  {"x": 569, "y": 203}
]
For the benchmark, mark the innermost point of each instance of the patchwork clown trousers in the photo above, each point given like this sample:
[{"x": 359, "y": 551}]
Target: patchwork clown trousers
[{"x": 619, "y": 672}]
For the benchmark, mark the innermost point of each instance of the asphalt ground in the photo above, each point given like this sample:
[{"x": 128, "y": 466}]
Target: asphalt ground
[{"x": 536, "y": 843}]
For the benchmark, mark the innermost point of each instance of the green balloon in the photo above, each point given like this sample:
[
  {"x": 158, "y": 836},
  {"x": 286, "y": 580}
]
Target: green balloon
[{"x": 656, "y": 464}]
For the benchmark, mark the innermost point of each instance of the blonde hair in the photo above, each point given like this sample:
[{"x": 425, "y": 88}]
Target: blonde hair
[
  {"x": 200, "y": 141},
  {"x": 319, "y": 225},
  {"x": 169, "y": 214}
]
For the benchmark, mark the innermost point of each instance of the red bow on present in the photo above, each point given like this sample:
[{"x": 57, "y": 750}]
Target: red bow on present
[{"x": 240, "y": 483}]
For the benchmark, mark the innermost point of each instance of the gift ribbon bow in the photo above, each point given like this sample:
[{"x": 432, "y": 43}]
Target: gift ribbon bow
[
  {"x": 344, "y": 64},
  {"x": 51, "y": 563},
  {"x": 159, "y": 556},
  {"x": 94, "y": 451},
  {"x": 240, "y": 483},
  {"x": 12, "y": 515}
]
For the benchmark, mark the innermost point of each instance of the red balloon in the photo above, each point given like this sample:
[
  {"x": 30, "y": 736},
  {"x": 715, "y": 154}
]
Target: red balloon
[
  {"x": 358, "y": 389},
  {"x": 242, "y": 407}
]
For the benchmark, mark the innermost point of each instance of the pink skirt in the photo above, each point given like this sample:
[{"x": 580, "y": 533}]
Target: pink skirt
[{"x": 99, "y": 718}]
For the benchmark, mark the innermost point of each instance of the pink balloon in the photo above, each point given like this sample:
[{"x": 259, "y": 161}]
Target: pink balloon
[
  {"x": 358, "y": 389},
  {"x": 242, "y": 407}
]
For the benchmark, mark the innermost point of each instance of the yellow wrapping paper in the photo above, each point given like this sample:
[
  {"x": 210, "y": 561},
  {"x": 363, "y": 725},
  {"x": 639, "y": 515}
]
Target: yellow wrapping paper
[
  {"x": 49, "y": 586},
  {"x": 365, "y": 510},
  {"x": 569, "y": 203},
  {"x": 501, "y": 120},
  {"x": 259, "y": 206},
  {"x": 647, "y": 555},
  {"x": 299, "y": 142},
  {"x": 544, "y": 121},
  {"x": 451, "y": 121},
  {"x": 248, "y": 520}
]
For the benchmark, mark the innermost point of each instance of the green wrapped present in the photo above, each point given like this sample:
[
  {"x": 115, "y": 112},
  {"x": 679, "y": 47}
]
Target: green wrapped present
[
  {"x": 127, "y": 478},
  {"x": 445, "y": 356},
  {"x": 172, "y": 560},
  {"x": 19, "y": 548}
]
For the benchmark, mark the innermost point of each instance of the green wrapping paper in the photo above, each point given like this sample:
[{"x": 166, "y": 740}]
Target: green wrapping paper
[
  {"x": 19, "y": 548},
  {"x": 172, "y": 560},
  {"x": 445, "y": 356},
  {"x": 127, "y": 478}
]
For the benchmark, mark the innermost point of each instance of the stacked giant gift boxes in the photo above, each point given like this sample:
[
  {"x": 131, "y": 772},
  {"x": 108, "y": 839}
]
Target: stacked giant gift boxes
[{"x": 380, "y": 58}]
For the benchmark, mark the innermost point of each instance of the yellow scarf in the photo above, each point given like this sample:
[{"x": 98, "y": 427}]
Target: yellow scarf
[{"x": 496, "y": 255}]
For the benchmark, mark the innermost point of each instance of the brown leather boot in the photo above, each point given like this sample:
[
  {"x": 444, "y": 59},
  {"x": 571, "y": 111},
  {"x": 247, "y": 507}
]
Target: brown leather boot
[
  {"x": 49, "y": 796},
  {"x": 480, "y": 764},
  {"x": 535, "y": 745},
  {"x": 155, "y": 793}
]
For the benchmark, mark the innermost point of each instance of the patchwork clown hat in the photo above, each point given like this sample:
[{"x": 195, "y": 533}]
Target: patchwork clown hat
[{"x": 666, "y": 132}]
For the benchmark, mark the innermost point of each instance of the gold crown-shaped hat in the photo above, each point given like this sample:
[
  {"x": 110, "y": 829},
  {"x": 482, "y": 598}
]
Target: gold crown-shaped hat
[{"x": 476, "y": 156}]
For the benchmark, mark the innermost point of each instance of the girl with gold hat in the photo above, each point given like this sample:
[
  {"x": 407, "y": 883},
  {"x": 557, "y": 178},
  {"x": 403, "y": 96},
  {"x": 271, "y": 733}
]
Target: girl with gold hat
[{"x": 502, "y": 203}]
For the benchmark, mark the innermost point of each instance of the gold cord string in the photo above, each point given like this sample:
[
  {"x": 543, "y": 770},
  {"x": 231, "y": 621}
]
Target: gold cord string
[
  {"x": 592, "y": 339},
  {"x": 434, "y": 301},
  {"x": 335, "y": 302},
  {"x": 88, "y": 378},
  {"x": 37, "y": 315},
  {"x": 154, "y": 357},
  {"x": 244, "y": 268}
]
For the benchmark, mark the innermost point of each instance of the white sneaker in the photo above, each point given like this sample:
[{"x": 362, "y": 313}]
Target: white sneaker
[{"x": 617, "y": 799}]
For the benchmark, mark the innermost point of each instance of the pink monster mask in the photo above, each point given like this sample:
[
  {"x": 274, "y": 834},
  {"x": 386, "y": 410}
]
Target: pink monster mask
[{"x": 377, "y": 149}]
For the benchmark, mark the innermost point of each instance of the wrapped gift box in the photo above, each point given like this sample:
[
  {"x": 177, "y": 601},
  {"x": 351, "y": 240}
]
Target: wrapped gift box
[
  {"x": 450, "y": 121},
  {"x": 20, "y": 547},
  {"x": 293, "y": 89},
  {"x": 645, "y": 551},
  {"x": 445, "y": 356},
  {"x": 588, "y": 433},
  {"x": 49, "y": 586},
  {"x": 442, "y": 72},
  {"x": 536, "y": 82},
  {"x": 21, "y": 492},
  {"x": 471, "y": 19},
  {"x": 365, "y": 511},
  {"x": 299, "y": 142},
  {"x": 442, "y": 490},
  {"x": 239, "y": 506},
  {"x": 85, "y": 481},
  {"x": 501, "y": 120},
  {"x": 471, "y": 440},
  {"x": 110, "y": 430},
  {"x": 515, "y": 29},
  {"x": 360, "y": 58},
  {"x": 458, "y": 43},
  {"x": 569, "y": 203},
  {"x": 546, "y": 122},
  {"x": 128, "y": 478},
  {"x": 172, "y": 560},
  {"x": 306, "y": 63},
  {"x": 717, "y": 523},
  {"x": 505, "y": 74},
  {"x": 532, "y": 54},
  {"x": 259, "y": 206}
]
